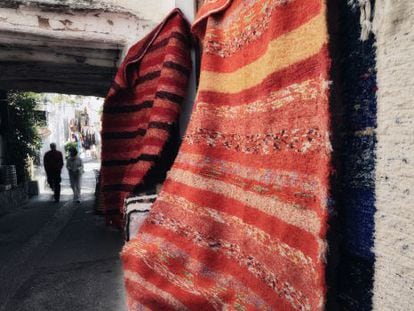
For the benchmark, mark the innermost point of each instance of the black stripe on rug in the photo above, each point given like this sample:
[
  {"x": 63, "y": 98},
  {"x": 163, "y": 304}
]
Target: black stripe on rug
[
  {"x": 170, "y": 97},
  {"x": 177, "y": 67},
  {"x": 124, "y": 135},
  {"x": 142, "y": 157},
  {"x": 129, "y": 108}
]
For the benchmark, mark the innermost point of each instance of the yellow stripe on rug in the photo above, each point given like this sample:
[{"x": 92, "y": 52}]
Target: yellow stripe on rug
[{"x": 291, "y": 48}]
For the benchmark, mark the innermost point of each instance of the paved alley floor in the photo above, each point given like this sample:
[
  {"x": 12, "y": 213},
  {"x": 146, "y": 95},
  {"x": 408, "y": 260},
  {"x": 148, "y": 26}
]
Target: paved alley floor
[{"x": 59, "y": 257}]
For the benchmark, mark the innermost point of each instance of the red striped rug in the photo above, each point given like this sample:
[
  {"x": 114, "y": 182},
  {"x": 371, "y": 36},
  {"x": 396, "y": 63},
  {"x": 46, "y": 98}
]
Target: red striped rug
[
  {"x": 241, "y": 220},
  {"x": 142, "y": 107}
]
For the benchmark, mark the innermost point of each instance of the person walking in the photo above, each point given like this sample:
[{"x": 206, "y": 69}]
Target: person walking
[
  {"x": 53, "y": 162},
  {"x": 75, "y": 168}
]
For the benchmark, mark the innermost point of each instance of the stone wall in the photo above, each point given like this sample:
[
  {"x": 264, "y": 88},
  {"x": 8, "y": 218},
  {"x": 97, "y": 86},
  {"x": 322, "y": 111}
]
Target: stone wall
[
  {"x": 2, "y": 151},
  {"x": 70, "y": 46},
  {"x": 153, "y": 11},
  {"x": 3, "y": 126},
  {"x": 12, "y": 199}
]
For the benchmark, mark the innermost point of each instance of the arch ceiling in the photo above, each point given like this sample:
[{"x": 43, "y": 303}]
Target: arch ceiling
[{"x": 70, "y": 46}]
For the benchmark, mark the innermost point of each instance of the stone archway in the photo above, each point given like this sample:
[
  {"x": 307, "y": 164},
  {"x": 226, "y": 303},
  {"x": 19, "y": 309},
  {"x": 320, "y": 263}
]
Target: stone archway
[{"x": 69, "y": 46}]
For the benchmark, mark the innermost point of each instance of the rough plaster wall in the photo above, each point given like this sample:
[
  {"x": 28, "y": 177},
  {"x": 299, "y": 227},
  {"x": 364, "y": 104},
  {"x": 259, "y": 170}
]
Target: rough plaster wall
[
  {"x": 71, "y": 46},
  {"x": 103, "y": 27},
  {"x": 149, "y": 10},
  {"x": 3, "y": 96},
  {"x": 394, "y": 239},
  {"x": 57, "y": 48}
]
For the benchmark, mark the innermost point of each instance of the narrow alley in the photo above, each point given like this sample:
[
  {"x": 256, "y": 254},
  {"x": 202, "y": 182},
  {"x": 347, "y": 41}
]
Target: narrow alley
[
  {"x": 204, "y": 155},
  {"x": 60, "y": 256}
]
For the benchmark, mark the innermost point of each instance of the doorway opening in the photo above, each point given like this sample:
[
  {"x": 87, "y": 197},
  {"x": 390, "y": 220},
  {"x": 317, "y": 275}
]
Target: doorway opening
[{"x": 71, "y": 121}]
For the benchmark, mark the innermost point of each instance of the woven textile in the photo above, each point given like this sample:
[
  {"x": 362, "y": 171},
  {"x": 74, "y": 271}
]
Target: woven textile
[
  {"x": 241, "y": 219},
  {"x": 356, "y": 204},
  {"x": 136, "y": 210},
  {"x": 394, "y": 236},
  {"x": 142, "y": 107}
]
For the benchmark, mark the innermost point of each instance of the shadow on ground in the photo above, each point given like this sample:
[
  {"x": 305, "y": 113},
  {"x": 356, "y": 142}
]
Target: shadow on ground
[{"x": 60, "y": 257}]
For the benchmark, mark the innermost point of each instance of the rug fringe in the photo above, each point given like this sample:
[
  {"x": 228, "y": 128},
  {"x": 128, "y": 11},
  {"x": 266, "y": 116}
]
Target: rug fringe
[
  {"x": 366, "y": 16},
  {"x": 365, "y": 19}
]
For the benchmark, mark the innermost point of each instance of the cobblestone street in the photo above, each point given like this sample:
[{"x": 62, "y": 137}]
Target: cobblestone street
[{"x": 60, "y": 256}]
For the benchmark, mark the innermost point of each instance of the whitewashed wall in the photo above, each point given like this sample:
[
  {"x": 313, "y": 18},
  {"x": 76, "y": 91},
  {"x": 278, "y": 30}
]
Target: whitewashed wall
[
  {"x": 153, "y": 10},
  {"x": 71, "y": 46},
  {"x": 394, "y": 220}
]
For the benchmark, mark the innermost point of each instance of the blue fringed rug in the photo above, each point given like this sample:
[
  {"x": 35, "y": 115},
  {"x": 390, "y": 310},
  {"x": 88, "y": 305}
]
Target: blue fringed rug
[{"x": 357, "y": 189}]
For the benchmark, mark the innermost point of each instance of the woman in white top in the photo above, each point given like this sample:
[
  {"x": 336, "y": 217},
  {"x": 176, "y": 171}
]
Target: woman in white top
[{"x": 75, "y": 168}]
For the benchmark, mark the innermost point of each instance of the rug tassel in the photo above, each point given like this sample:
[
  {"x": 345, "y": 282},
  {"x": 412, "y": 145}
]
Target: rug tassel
[{"x": 365, "y": 19}]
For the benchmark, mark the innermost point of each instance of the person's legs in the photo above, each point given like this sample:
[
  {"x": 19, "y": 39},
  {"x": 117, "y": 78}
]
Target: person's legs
[
  {"x": 54, "y": 182},
  {"x": 73, "y": 184},
  {"x": 79, "y": 184},
  {"x": 50, "y": 181},
  {"x": 56, "y": 188},
  {"x": 78, "y": 190}
]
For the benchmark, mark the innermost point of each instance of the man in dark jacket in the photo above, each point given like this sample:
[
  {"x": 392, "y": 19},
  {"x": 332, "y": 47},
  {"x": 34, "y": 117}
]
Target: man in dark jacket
[{"x": 53, "y": 162}]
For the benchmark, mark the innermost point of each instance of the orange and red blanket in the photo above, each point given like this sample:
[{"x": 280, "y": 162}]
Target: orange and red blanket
[
  {"x": 142, "y": 107},
  {"x": 241, "y": 220}
]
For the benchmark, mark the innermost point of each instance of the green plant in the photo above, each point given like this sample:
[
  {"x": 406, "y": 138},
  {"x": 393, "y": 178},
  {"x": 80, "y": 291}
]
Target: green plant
[
  {"x": 70, "y": 145},
  {"x": 24, "y": 142}
]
